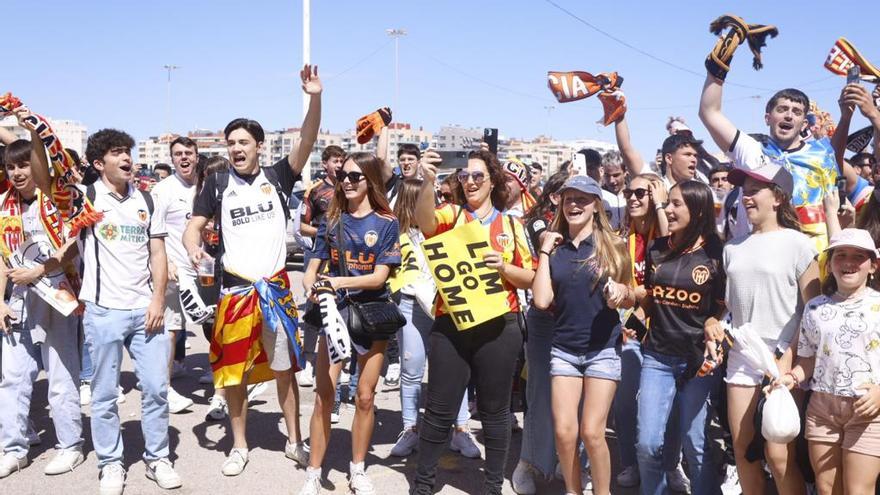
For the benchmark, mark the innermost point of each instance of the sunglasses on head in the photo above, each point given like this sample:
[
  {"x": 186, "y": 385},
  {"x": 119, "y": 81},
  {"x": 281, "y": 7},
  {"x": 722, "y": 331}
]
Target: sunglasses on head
[
  {"x": 353, "y": 177},
  {"x": 477, "y": 177},
  {"x": 639, "y": 193}
]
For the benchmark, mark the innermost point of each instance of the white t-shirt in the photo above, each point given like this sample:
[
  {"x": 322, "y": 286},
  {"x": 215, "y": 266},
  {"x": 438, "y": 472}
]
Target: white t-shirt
[
  {"x": 116, "y": 250},
  {"x": 845, "y": 339},
  {"x": 615, "y": 207},
  {"x": 252, "y": 224},
  {"x": 763, "y": 271},
  {"x": 174, "y": 199}
]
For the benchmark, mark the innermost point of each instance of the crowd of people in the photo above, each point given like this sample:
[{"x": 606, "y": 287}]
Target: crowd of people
[{"x": 625, "y": 296}]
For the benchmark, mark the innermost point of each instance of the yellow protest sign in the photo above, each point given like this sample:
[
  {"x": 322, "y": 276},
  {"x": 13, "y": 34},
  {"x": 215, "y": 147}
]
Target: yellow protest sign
[
  {"x": 473, "y": 293},
  {"x": 408, "y": 272}
]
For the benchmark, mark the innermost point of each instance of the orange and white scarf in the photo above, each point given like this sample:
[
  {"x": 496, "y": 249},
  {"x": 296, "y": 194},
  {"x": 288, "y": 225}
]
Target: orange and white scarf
[
  {"x": 77, "y": 212},
  {"x": 573, "y": 86},
  {"x": 843, "y": 56}
]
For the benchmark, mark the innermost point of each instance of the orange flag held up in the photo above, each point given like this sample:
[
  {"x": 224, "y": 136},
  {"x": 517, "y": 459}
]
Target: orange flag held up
[
  {"x": 371, "y": 125},
  {"x": 577, "y": 85},
  {"x": 844, "y": 55}
]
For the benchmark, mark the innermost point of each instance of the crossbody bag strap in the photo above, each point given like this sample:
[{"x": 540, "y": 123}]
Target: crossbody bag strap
[{"x": 340, "y": 251}]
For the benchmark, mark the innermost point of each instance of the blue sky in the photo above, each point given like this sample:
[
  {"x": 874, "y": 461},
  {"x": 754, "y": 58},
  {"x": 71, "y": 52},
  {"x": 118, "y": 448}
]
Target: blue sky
[{"x": 480, "y": 64}]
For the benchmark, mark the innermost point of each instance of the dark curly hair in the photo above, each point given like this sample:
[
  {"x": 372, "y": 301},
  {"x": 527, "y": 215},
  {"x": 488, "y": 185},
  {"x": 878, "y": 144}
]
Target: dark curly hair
[
  {"x": 496, "y": 178},
  {"x": 105, "y": 140}
]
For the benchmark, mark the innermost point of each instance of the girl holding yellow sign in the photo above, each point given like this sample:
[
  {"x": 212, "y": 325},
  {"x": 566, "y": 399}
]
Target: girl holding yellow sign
[
  {"x": 581, "y": 262},
  {"x": 487, "y": 349}
]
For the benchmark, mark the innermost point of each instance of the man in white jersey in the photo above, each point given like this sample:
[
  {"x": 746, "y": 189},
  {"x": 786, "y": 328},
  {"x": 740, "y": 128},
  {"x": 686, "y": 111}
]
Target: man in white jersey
[
  {"x": 31, "y": 328},
  {"x": 173, "y": 201},
  {"x": 250, "y": 204},
  {"x": 123, "y": 288}
]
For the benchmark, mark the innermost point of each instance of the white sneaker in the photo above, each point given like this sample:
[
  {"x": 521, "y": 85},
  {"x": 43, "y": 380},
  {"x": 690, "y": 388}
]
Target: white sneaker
[
  {"x": 305, "y": 377},
  {"x": 629, "y": 477},
  {"x": 235, "y": 463},
  {"x": 162, "y": 472},
  {"x": 120, "y": 399},
  {"x": 9, "y": 464},
  {"x": 407, "y": 441},
  {"x": 392, "y": 375},
  {"x": 33, "y": 437},
  {"x": 334, "y": 414},
  {"x": 207, "y": 378},
  {"x": 85, "y": 392},
  {"x": 217, "y": 409},
  {"x": 677, "y": 481},
  {"x": 731, "y": 481},
  {"x": 344, "y": 377},
  {"x": 176, "y": 402},
  {"x": 313, "y": 482},
  {"x": 463, "y": 441},
  {"x": 514, "y": 424},
  {"x": 187, "y": 345},
  {"x": 64, "y": 461},
  {"x": 255, "y": 390},
  {"x": 178, "y": 370},
  {"x": 358, "y": 482},
  {"x": 112, "y": 480},
  {"x": 297, "y": 452},
  {"x": 523, "y": 479}
]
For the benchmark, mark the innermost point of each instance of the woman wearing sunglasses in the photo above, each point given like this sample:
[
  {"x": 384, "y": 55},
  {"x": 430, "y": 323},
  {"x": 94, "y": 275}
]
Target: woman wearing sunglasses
[
  {"x": 369, "y": 245},
  {"x": 645, "y": 199},
  {"x": 487, "y": 351},
  {"x": 770, "y": 273},
  {"x": 583, "y": 276},
  {"x": 684, "y": 297}
]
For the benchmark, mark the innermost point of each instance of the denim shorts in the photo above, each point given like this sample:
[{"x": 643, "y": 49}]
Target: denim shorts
[{"x": 596, "y": 364}]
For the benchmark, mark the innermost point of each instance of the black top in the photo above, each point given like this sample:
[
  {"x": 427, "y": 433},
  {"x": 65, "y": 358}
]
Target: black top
[
  {"x": 685, "y": 291},
  {"x": 584, "y": 322},
  {"x": 205, "y": 204}
]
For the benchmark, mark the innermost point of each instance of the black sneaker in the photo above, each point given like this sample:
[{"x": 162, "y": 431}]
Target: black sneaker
[{"x": 334, "y": 414}]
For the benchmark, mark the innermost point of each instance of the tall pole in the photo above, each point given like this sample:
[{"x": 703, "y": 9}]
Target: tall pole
[
  {"x": 549, "y": 109},
  {"x": 307, "y": 59},
  {"x": 396, "y": 34},
  {"x": 169, "y": 68}
]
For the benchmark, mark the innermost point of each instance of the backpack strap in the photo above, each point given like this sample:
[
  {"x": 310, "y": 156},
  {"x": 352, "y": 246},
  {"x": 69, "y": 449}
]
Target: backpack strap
[
  {"x": 272, "y": 177},
  {"x": 91, "y": 194},
  {"x": 148, "y": 198}
]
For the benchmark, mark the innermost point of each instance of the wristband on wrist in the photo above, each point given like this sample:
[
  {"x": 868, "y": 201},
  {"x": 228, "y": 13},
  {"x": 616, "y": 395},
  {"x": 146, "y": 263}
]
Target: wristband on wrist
[
  {"x": 659, "y": 206},
  {"x": 793, "y": 377},
  {"x": 544, "y": 252}
]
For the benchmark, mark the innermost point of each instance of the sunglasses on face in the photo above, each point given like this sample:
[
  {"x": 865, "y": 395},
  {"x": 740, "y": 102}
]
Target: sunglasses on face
[
  {"x": 477, "y": 177},
  {"x": 639, "y": 193},
  {"x": 353, "y": 177}
]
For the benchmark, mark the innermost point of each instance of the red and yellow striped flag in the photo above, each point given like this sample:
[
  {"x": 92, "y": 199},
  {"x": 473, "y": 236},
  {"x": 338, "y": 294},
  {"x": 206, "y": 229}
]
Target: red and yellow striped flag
[{"x": 236, "y": 348}]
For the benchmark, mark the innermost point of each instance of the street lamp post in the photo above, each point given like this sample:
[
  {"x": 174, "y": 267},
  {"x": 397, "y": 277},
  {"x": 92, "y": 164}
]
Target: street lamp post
[
  {"x": 170, "y": 69},
  {"x": 396, "y": 34}
]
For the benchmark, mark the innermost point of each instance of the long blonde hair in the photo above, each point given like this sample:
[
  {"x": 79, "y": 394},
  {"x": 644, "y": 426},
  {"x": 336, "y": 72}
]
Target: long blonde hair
[
  {"x": 610, "y": 254},
  {"x": 656, "y": 183},
  {"x": 405, "y": 207}
]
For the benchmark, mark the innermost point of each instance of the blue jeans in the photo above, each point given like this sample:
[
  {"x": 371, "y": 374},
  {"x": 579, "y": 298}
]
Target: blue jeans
[
  {"x": 86, "y": 369},
  {"x": 538, "y": 441},
  {"x": 107, "y": 332},
  {"x": 413, "y": 339},
  {"x": 20, "y": 366},
  {"x": 657, "y": 393},
  {"x": 626, "y": 411}
]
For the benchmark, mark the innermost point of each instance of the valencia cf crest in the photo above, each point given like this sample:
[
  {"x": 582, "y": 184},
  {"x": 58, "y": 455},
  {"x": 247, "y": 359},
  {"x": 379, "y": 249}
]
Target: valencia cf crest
[
  {"x": 503, "y": 239},
  {"x": 700, "y": 274},
  {"x": 142, "y": 215},
  {"x": 370, "y": 238},
  {"x": 265, "y": 188}
]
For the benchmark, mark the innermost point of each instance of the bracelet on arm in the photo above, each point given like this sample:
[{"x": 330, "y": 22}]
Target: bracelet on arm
[
  {"x": 544, "y": 252},
  {"x": 793, "y": 377}
]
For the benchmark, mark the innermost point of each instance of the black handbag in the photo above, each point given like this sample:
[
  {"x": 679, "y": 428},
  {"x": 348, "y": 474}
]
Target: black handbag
[{"x": 372, "y": 319}]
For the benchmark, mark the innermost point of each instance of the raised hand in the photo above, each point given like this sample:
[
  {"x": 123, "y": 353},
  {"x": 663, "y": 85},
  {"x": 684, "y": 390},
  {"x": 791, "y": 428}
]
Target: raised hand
[{"x": 311, "y": 83}]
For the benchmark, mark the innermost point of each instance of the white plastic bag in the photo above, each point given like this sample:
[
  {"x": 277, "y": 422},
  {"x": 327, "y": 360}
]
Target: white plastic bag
[
  {"x": 781, "y": 420},
  {"x": 751, "y": 346}
]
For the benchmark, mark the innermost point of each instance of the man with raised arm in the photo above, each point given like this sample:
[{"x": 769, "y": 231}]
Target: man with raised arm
[{"x": 250, "y": 207}]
